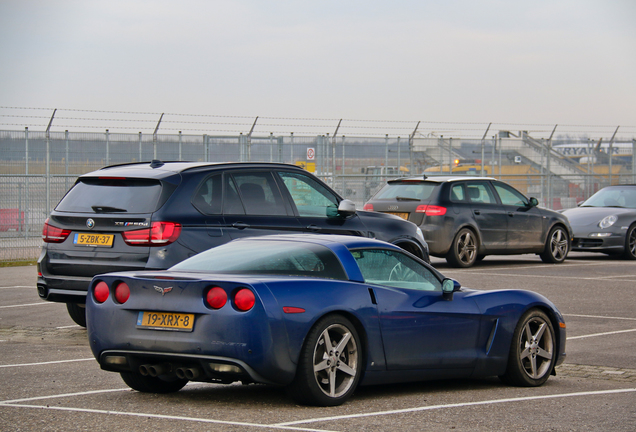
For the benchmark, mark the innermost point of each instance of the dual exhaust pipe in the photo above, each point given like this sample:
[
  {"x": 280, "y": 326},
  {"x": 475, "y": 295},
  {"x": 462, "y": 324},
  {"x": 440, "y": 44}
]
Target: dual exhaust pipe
[{"x": 189, "y": 373}]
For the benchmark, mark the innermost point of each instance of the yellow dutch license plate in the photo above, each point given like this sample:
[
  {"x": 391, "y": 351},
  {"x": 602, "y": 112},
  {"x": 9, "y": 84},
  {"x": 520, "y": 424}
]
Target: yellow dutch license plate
[
  {"x": 89, "y": 239},
  {"x": 402, "y": 215},
  {"x": 165, "y": 321}
]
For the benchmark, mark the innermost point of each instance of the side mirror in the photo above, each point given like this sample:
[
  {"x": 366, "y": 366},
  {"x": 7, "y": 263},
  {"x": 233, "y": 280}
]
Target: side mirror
[
  {"x": 346, "y": 208},
  {"x": 534, "y": 202},
  {"x": 449, "y": 286}
]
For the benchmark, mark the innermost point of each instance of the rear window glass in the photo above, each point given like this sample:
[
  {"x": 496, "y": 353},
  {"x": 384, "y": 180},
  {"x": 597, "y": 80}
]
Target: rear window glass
[
  {"x": 112, "y": 196},
  {"x": 267, "y": 258},
  {"x": 420, "y": 191}
]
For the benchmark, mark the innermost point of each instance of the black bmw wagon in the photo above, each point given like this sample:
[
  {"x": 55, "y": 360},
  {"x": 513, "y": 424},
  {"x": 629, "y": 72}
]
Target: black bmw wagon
[{"x": 153, "y": 215}]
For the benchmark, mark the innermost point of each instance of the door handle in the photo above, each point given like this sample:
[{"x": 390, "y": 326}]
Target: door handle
[
  {"x": 511, "y": 214},
  {"x": 314, "y": 228},
  {"x": 240, "y": 225},
  {"x": 477, "y": 212}
]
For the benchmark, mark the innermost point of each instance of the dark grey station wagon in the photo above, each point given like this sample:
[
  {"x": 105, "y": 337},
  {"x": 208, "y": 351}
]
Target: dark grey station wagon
[{"x": 466, "y": 218}]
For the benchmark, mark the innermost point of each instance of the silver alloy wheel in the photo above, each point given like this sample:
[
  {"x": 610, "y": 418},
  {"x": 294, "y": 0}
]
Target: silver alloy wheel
[
  {"x": 335, "y": 360},
  {"x": 631, "y": 243},
  {"x": 559, "y": 244},
  {"x": 536, "y": 348},
  {"x": 466, "y": 247}
]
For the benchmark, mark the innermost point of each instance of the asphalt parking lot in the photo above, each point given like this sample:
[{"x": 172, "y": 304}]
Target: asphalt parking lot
[{"x": 50, "y": 380}]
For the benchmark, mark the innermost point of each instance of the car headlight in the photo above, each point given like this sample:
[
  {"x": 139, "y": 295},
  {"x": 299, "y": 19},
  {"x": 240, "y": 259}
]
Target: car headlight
[{"x": 608, "y": 221}]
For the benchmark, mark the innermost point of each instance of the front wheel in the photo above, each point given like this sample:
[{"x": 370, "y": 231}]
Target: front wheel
[
  {"x": 330, "y": 364},
  {"x": 149, "y": 384},
  {"x": 557, "y": 246},
  {"x": 463, "y": 251},
  {"x": 532, "y": 351},
  {"x": 630, "y": 243}
]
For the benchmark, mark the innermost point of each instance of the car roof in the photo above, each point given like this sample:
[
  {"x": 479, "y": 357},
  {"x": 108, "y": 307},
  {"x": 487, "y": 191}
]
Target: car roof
[
  {"x": 157, "y": 169},
  {"x": 440, "y": 178},
  {"x": 328, "y": 240}
]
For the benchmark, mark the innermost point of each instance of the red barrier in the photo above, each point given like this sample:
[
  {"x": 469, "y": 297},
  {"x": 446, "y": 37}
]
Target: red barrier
[{"x": 11, "y": 219}]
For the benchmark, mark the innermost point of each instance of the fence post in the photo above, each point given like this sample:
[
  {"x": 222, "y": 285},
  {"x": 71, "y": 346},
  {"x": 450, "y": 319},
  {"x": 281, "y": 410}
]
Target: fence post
[
  {"x": 450, "y": 155},
  {"x": 343, "y": 165},
  {"x": 206, "y": 145},
  {"x": 26, "y": 181},
  {"x": 66, "y": 159},
  {"x": 271, "y": 147},
  {"x": 108, "y": 148},
  {"x": 48, "y": 172},
  {"x": 399, "y": 162},
  {"x": 180, "y": 145},
  {"x": 633, "y": 160},
  {"x": 291, "y": 147},
  {"x": 140, "y": 159}
]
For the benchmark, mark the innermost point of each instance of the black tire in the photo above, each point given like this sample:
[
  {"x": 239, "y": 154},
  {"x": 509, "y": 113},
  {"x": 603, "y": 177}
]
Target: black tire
[
  {"x": 77, "y": 312},
  {"x": 463, "y": 251},
  {"x": 148, "y": 384},
  {"x": 330, "y": 364},
  {"x": 532, "y": 351},
  {"x": 557, "y": 246},
  {"x": 630, "y": 243}
]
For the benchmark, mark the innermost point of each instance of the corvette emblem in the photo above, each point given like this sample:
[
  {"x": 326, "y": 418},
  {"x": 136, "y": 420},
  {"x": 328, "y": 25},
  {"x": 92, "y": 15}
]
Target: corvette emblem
[
  {"x": 90, "y": 223},
  {"x": 163, "y": 291}
]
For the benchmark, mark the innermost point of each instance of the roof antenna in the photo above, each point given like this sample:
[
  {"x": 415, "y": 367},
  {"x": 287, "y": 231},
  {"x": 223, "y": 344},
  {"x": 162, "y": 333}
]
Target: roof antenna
[{"x": 156, "y": 163}]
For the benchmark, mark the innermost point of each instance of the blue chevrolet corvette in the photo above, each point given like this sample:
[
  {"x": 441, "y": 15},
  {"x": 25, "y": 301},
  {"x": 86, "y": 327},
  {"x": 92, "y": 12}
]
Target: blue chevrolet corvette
[{"x": 318, "y": 314}]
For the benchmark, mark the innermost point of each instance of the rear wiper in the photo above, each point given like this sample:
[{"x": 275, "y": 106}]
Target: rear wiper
[
  {"x": 399, "y": 198},
  {"x": 107, "y": 209}
]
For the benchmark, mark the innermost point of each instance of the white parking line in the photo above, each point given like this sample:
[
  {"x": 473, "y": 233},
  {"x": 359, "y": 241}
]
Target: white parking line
[
  {"x": 46, "y": 363},
  {"x": 600, "y": 316},
  {"x": 600, "y": 334},
  {"x": 545, "y": 276},
  {"x": 457, "y": 405},
  {"x": 16, "y": 286},
  {"x": 534, "y": 266},
  {"x": 165, "y": 417},
  {"x": 28, "y": 304}
]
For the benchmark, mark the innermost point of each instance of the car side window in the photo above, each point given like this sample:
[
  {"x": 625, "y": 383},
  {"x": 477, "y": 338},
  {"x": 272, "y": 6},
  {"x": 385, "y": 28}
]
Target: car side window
[
  {"x": 457, "y": 193},
  {"x": 480, "y": 193},
  {"x": 231, "y": 202},
  {"x": 395, "y": 269},
  {"x": 510, "y": 196},
  {"x": 208, "y": 197},
  {"x": 310, "y": 197},
  {"x": 259, "y": 194}
]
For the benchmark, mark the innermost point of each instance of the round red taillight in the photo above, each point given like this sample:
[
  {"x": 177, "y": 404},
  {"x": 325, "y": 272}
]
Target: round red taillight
[
  {"x": 122, "y": 293},
  {"x": 244, "y": 299},
  {"x": 101, "y": 292},
  {"x": 216, "y": 298}
]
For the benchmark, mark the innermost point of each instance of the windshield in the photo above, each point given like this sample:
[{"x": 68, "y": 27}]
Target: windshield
[
  {"x": 407, "y": 190},
  {"x": 285, "y": 258},
  {"x": 613, "y": 196}
]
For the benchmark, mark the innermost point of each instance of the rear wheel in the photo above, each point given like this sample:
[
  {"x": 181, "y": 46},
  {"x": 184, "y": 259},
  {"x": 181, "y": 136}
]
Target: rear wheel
[
  {"x": 532, "y": 351},
  {"x": 149, "y": 384},
  {"x": 463, "y": 251},
  {"x": 557, "y": 246},
  {"x": 77, "y": 312},
  {"x": 630, "y": 243},
  {"x": 330, "y": 363}
]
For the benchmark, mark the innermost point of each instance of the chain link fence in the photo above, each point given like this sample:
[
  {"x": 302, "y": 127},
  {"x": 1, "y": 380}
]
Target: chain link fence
[{"x": 37, "y": 168}]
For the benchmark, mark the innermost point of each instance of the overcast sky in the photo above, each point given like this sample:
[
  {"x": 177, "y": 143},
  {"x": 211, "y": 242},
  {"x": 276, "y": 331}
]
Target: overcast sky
[{"x": 554, "y": 61}]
